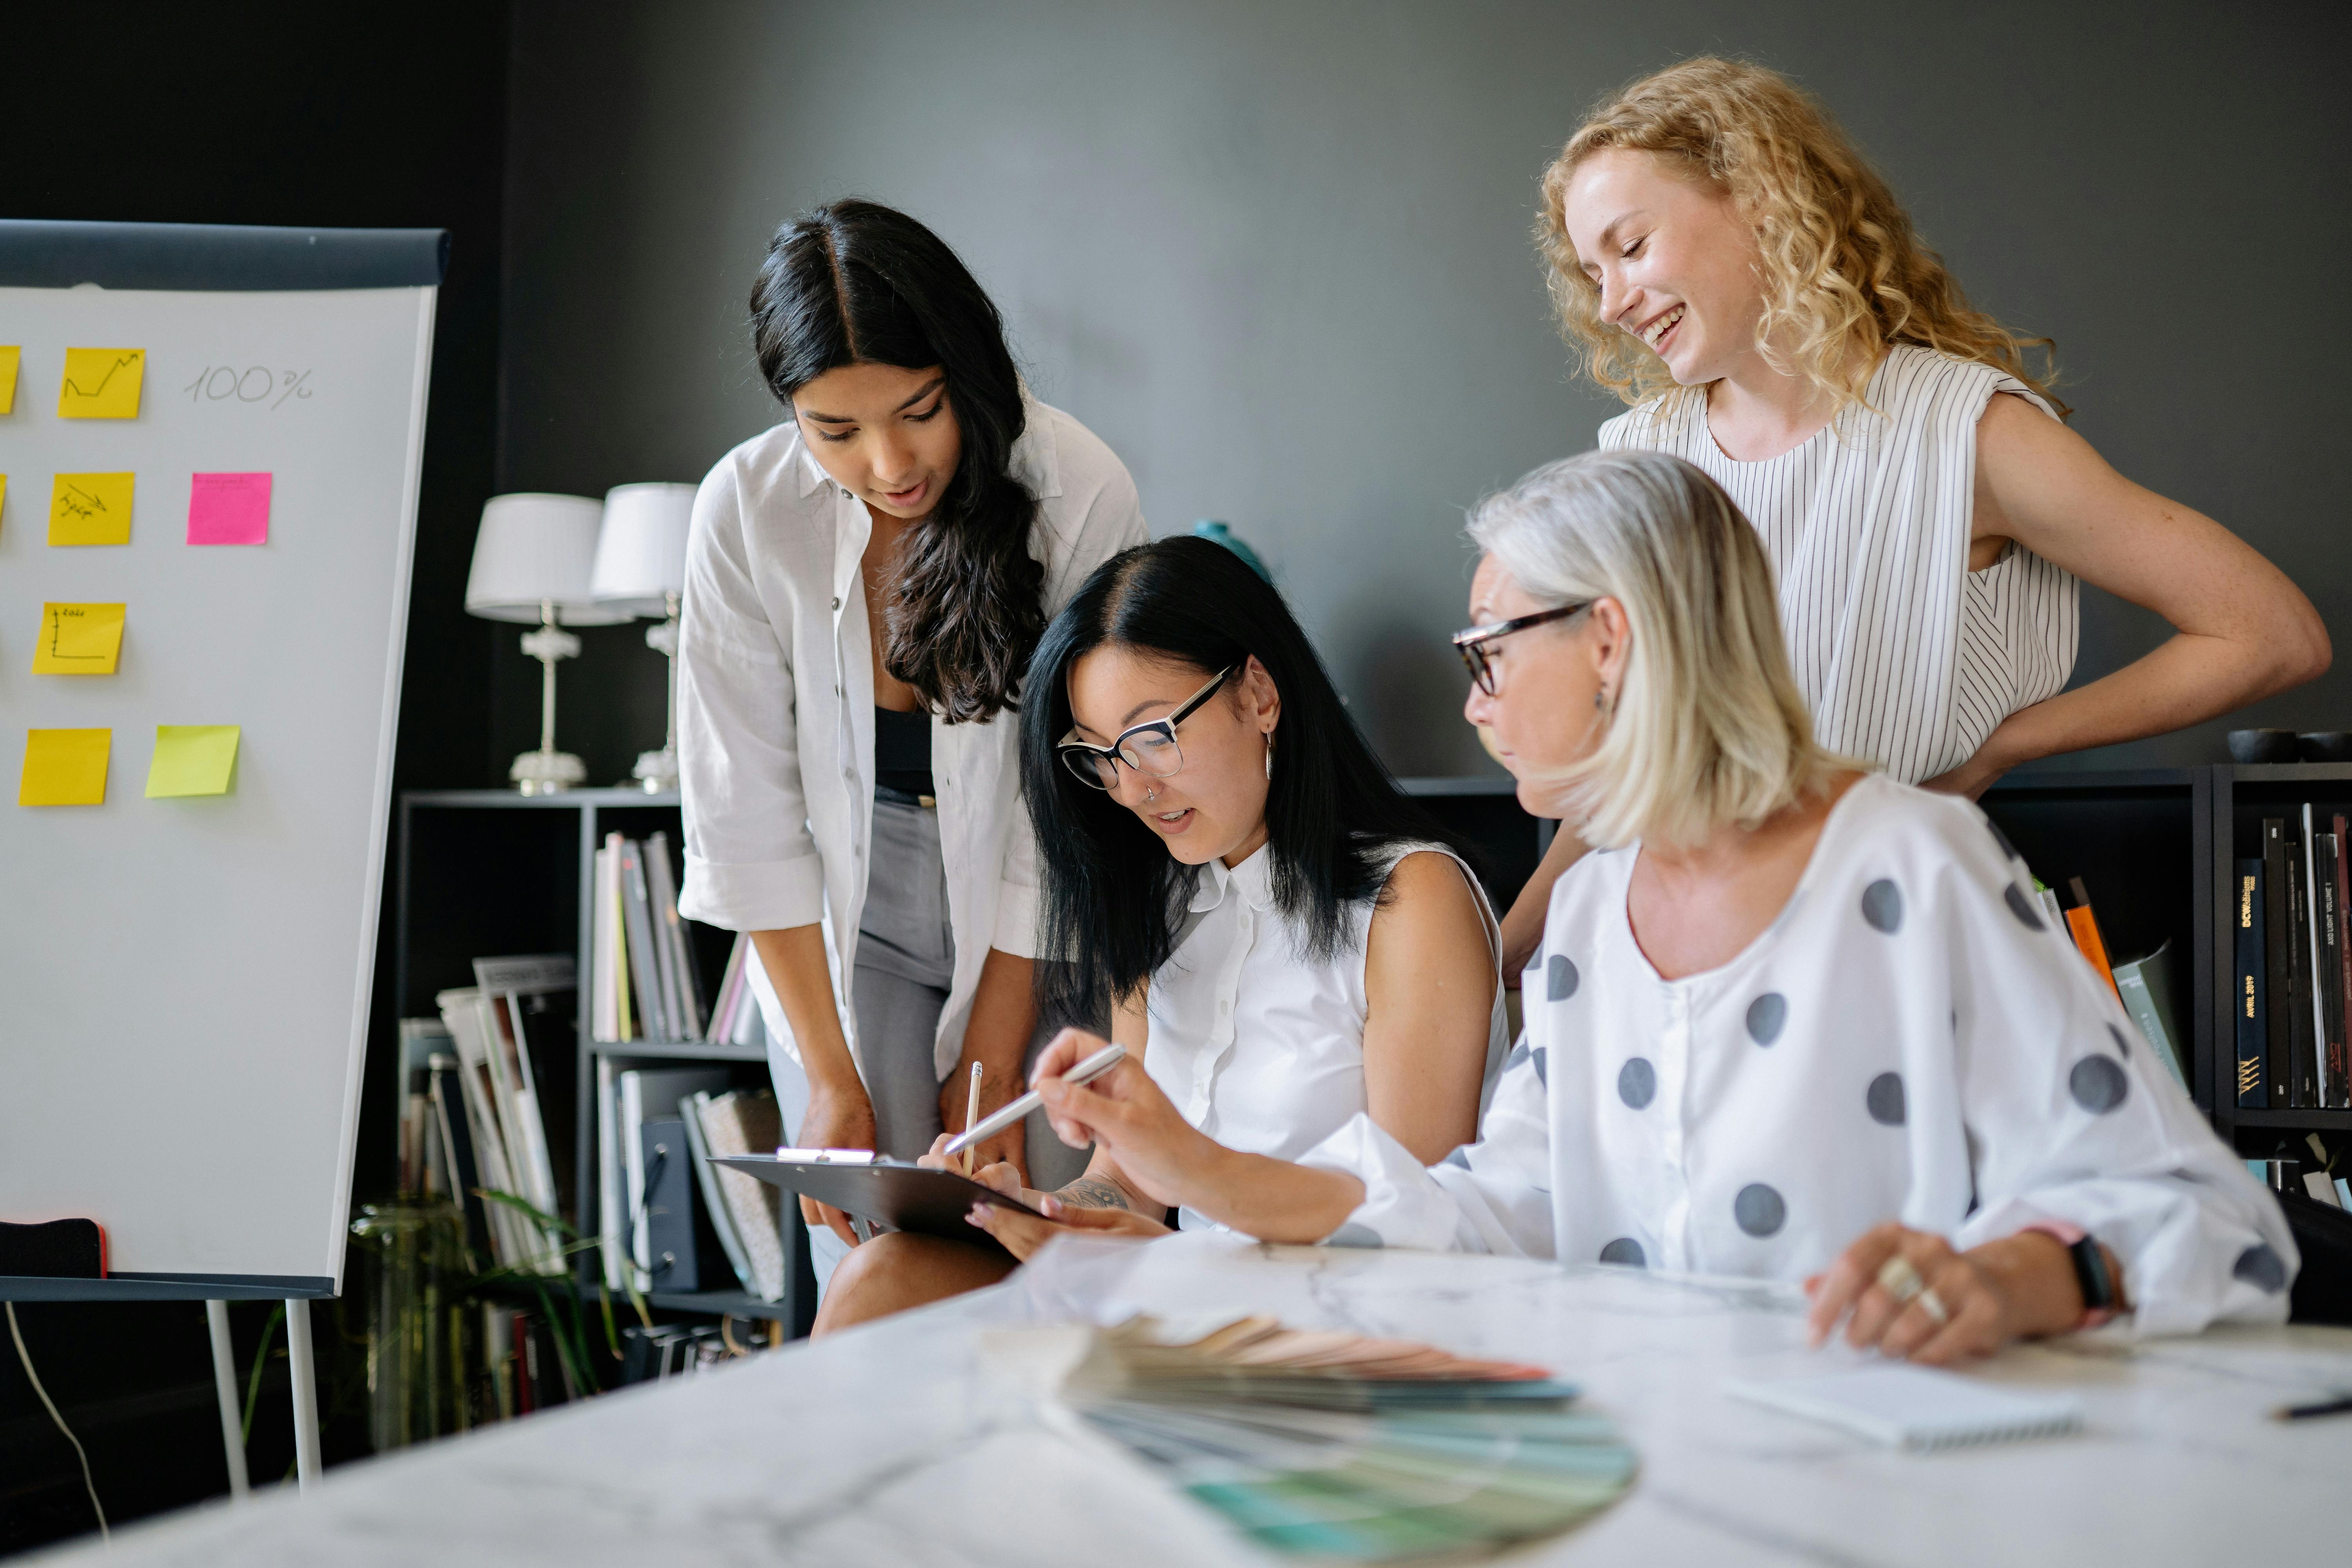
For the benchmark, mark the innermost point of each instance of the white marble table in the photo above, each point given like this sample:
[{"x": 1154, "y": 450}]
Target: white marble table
[{"x": 895, "y": 1446}]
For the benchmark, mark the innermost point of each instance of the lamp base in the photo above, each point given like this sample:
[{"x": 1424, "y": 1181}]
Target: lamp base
[
  {"x": 546, "y": 772},
  {"x": 656, "y": 771}
]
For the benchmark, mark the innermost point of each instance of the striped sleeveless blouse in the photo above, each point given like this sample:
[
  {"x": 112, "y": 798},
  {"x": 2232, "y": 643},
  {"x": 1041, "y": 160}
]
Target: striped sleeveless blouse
[{"x": 1907, "y": 657}]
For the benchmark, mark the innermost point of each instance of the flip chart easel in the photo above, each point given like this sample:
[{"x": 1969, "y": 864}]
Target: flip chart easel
[{"x": 213, "y": 436}]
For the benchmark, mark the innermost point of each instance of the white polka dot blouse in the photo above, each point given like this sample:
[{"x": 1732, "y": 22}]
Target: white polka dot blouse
[{"x": 1909, "y": 1039}]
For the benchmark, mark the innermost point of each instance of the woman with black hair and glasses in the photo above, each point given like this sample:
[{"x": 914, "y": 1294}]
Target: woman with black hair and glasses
[
  {"x": 865, "y": 584},
  {"x": 1281, "y": 937}
]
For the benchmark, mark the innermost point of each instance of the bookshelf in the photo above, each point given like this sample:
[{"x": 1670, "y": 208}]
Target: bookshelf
[
  {"x": 2139, "y": 839},
  {"x": 487, "y": 871},
  {"x": 481, "y": 872},
  {"x": 2242, "y": 797}
]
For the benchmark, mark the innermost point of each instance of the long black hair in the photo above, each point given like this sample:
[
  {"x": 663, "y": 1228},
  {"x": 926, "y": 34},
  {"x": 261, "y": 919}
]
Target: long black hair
[
  {"x": 1113, "y": 894},
  {"x": 854, "y": 282}
]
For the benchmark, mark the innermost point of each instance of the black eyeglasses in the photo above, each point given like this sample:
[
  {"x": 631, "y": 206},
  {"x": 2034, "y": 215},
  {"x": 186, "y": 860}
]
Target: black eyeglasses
[
  {"x": 1472, "y": 645},
  {"x": 1148, "y": 748}
]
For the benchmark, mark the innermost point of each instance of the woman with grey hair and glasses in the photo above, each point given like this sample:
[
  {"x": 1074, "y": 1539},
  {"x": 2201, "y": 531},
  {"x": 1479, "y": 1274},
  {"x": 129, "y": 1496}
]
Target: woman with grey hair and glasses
[{"x": 1794, "y": 1021}]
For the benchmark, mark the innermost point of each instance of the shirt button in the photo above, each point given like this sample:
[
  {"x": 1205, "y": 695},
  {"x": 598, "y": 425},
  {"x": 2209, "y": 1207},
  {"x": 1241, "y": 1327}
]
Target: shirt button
[{"x": 837, "y": 601}]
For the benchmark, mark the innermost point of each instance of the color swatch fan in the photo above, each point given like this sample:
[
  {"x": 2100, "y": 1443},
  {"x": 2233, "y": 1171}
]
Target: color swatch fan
[{"x": 1336, "y": 1446}]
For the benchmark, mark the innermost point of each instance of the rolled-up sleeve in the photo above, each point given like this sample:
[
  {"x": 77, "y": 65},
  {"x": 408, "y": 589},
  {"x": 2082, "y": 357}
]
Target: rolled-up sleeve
[
  {"x": 750, "y": 861},
  {"x": 1493, "y": 1195},
  {"x": 2092, "y": 1133}
]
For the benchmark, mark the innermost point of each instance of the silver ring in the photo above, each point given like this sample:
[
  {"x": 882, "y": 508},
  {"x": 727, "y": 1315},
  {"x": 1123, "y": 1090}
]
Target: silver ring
[
  {"x": 1900, "y": 1280},
  {"x": 1932, "y": 1305}
]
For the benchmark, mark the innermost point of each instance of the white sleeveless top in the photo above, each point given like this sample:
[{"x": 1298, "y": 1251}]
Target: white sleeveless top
[
  {"x": 1259, "y": 1046},
  {"x": 1907, "y": 657}
]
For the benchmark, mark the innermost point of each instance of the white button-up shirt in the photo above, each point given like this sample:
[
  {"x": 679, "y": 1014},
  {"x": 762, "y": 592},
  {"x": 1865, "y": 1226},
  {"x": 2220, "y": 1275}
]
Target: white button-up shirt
[
  {"x": 1909, "y": 1039},
  {"x": 1259, "y": 1046},
  {"x": 775, "y": 706}
]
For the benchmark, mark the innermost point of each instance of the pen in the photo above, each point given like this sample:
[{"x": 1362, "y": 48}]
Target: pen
[
  {"x": 2341, "y": 1405},
  {"x": 971, "y": 1113},
  {"x": 1005, "y": 1115}
]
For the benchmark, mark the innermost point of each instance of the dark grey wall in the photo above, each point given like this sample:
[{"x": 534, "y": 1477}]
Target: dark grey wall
[{"x": 1277, "y": 256}]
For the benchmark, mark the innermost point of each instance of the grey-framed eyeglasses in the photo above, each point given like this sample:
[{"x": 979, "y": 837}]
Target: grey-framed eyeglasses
[
  {"x": 1149, "y": 748},
  {"x": 1472, "y": 644}
]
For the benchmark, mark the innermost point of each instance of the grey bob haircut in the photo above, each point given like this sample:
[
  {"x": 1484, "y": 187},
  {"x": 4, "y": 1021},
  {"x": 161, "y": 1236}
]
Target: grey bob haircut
[{"x": 1707, "y": 727}]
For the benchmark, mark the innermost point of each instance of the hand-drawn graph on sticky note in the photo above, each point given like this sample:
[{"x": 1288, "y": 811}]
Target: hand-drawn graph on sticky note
[
  {"x": 91, "y": 509},
  {"x": 192, "y": 759},
  {"x": 229, "y": 509},
  {"x": 8, "y": 357},
  {"x": 101, "y": 383},
  {"x": 79, "y": 639},
  {"x": 64, "y": 767}
]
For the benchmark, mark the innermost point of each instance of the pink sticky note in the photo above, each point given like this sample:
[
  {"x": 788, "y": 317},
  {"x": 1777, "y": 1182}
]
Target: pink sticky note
[{"x": 229, "y": 509}]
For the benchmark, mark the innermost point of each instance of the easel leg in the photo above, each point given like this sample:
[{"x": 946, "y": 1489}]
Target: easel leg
[
  {"x": 306, "y": 1393},
  {"x": 225, "y": 1384}
]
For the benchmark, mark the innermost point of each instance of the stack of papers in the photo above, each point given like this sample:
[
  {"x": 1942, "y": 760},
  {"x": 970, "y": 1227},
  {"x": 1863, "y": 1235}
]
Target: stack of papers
[{"x": 1343, "y": 1446}]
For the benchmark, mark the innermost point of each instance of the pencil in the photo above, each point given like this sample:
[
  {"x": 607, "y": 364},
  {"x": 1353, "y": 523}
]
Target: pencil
[{"x": 971, "y": 1113}]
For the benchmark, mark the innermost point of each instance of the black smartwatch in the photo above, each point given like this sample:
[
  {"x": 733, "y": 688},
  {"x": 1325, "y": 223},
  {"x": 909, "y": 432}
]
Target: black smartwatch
[{"x": 2100, "y": 1298}]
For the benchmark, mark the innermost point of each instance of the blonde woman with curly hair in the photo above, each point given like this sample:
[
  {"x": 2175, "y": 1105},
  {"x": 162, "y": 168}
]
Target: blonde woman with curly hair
[
  {"x": 1724, "y": 259},
  {"x": 1798, "y": 1022}
]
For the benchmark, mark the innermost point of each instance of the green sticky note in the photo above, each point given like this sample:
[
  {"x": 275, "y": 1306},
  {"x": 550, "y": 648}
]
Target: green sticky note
[{"x": 192, "y": 759}]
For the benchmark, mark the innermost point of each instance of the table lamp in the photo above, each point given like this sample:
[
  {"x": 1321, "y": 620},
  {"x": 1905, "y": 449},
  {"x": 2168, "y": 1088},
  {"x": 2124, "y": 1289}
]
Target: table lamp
[
  {"x": 532, "y": 560},
  {"x": 641, "y": 571}
]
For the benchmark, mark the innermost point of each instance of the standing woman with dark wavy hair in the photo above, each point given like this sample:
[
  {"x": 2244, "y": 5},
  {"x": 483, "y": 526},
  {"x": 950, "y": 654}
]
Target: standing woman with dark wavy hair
[
  {"x": 864, "y": 585},
  {"x": 1726, "y": 260}
]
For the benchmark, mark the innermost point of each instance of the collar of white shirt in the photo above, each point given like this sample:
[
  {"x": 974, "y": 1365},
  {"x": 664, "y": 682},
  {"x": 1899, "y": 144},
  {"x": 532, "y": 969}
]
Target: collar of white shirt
[{"x": 1254, "y": 878}]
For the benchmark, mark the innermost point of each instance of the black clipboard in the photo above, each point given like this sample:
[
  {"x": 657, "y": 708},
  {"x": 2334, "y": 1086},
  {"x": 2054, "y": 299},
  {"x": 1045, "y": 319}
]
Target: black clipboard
[{"x": 887, "y": 1192}]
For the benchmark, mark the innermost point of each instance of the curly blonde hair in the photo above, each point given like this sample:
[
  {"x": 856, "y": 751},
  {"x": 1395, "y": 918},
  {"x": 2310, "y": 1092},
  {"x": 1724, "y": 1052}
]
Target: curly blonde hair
[{"x": 1841, "y": 266}]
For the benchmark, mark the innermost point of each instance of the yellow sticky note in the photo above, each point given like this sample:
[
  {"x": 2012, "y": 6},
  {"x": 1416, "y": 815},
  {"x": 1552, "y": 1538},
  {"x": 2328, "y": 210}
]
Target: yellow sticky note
[
  {"x": 8, "y": 357},
  {"x": 192, "y": 759},
  {"x": 101, "y": 383},
  {"x": 91, "y": 509},
  {"x": 79, "y": 639},
  {"x": 65, "y": 767}
]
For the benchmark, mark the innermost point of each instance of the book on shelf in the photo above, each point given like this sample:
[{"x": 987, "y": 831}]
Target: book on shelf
[
  {"x": 2334, "y": 1078},
  {"x": 2292, "y": 970},
  {"x": 2319, "y": 856},
  {"x": 2277, "y": 910},
  {"x": 735, "y": 1015},
  {"x": 681, "y": 982},
  {"x": 644, "y": 981},
  {"x": 746, "y": 1212},
  {"x": 2146, "y": 986},
  {"x": 498, "y": 1089},
  {"x": 608, "y": 1003},
  {"x": 682, "y": 1247},
  {"x": 2251, "y": 1017},
  {"x": 644, "y": 967},
  {"x": 2302, "y": 1047},
  {"x": 2085, "y": 926},
  {"x": 640, "y": 1095}
]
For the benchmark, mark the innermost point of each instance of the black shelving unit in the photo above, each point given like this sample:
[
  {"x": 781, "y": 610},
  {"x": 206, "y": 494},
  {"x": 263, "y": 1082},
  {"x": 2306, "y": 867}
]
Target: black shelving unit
[
  {"x": 2141, "y": 841},
  {"x": 2242, "y": 797},
  {"x": 490, "y": 871}
]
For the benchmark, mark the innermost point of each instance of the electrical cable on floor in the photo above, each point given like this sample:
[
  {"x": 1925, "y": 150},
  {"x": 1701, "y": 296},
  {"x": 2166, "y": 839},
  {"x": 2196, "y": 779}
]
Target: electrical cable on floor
[{"x": 35, "y": 1378}]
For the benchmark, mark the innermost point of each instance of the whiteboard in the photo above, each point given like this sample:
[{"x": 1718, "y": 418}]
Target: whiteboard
[{"x": 183, "y": 983}]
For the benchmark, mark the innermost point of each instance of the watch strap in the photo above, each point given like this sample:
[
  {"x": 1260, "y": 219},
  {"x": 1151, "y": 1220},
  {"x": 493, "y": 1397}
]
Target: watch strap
[{"x": 2092, "y": 1275}]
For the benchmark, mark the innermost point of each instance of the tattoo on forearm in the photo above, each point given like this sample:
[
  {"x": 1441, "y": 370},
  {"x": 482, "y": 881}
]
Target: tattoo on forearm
[{"x": 1094, "y": 1192}]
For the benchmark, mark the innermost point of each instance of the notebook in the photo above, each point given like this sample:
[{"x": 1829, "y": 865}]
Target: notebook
[{"x": 1916, "y": 1408}]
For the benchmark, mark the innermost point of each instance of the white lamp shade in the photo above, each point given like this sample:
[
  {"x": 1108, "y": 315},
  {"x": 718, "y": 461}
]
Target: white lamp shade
[
  {"x": 536, "y": 549},
  {"x": 641, "y": 554}
]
